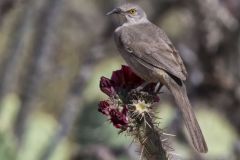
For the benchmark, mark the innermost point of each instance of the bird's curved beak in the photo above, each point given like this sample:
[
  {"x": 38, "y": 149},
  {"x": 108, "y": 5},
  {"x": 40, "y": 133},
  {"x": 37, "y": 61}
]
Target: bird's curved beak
[{"x": 114, "y": 11}]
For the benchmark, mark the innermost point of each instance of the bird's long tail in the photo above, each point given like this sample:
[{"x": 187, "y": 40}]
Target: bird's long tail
[{"x": 180, "y": 94}]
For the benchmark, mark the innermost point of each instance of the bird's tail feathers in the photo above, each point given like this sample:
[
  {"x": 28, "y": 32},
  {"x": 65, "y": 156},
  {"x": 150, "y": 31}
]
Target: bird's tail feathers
[{"x": 180, "y": 95}]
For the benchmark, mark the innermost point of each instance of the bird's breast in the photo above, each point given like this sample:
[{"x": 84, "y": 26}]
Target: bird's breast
[{"x": 144, "y": 70}]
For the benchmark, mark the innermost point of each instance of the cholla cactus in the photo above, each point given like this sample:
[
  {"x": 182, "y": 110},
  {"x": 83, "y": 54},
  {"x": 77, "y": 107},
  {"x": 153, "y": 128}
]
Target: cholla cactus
[{"x": 132, "y": 112}]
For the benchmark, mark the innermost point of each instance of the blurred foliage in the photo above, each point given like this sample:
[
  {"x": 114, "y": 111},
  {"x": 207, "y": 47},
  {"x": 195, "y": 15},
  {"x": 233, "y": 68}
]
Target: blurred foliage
[{"x": 52, "y": 54}]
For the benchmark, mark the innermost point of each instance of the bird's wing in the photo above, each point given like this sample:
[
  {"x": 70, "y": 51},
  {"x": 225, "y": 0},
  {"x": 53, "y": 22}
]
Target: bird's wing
[
  {"x": 155, "y": 52},
  {"x": 175, "y": 52}
]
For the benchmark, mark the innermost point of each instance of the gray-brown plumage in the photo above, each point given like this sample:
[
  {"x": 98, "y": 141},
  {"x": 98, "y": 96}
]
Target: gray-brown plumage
[{"x": 151, "y": 55}]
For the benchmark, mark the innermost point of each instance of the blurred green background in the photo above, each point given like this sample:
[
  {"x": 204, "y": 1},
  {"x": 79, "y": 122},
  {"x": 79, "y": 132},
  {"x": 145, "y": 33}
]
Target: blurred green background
[{"x": 53, "y": 52}]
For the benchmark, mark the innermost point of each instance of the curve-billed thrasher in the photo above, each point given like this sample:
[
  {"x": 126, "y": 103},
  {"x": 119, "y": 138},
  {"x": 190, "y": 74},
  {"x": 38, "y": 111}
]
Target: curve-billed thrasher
[{"x": 152, "y": 56}]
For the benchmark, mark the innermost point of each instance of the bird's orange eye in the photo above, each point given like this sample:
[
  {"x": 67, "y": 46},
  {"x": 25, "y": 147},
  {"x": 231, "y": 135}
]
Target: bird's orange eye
[{"x": 132, "y": 11}]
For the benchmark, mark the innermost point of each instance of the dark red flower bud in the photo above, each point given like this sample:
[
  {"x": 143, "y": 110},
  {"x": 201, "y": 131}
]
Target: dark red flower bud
[
  {"x": 125, "y": 78},
  {"x": 107, "y": 87},
  {"x": 125, "y": 110},
  {"x": 118, "y": 79},
  {"x": 131, "y": 79},
  {"x": 119, "y": 119},
  {"x": 104, "y": 107}
]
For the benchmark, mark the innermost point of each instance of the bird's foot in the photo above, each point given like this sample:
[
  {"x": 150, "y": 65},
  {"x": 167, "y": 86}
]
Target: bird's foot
[
  {"x": 158, "y": 88},
  {"x": 141, "y": 87}
]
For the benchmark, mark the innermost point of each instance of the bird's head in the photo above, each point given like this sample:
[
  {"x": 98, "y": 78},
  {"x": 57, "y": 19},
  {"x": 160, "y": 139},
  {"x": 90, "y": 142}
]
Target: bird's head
[{"x": 132, "y": 13}]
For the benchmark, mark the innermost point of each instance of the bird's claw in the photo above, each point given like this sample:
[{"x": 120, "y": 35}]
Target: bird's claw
[
  {"x": 158, "y": 88},
  {"x": 141, "y": 87}
]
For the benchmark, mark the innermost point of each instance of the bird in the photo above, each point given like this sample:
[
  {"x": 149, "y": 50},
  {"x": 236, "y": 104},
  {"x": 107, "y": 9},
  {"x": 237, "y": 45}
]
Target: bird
[{"x": 151, "y": 55}]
